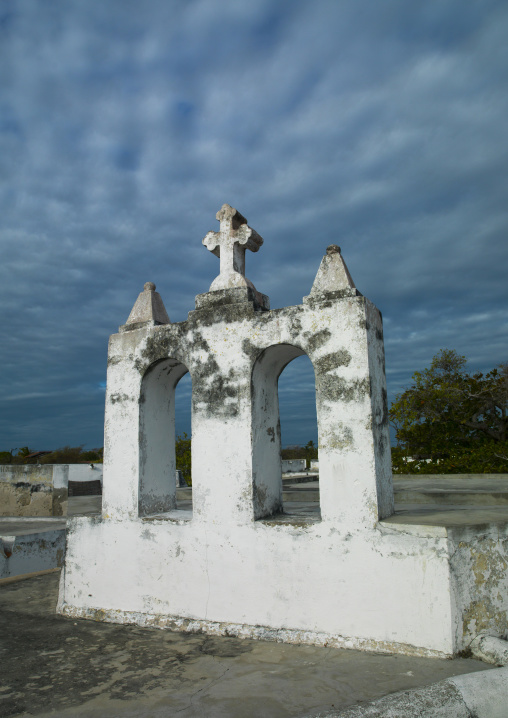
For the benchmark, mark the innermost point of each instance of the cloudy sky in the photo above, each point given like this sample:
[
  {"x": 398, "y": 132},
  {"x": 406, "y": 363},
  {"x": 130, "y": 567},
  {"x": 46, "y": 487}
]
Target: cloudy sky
[{"x": 125, "y": 125}]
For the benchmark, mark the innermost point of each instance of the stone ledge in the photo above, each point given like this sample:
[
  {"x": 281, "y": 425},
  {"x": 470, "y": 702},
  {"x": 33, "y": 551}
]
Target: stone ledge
[{"x": 233, "y": 295}]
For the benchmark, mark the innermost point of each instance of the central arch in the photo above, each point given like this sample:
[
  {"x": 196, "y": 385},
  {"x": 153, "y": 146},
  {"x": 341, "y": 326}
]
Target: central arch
[{"x": 266, "y": 440}]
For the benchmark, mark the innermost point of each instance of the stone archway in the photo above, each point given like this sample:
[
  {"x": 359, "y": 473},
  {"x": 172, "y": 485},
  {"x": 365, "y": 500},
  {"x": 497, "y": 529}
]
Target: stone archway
[
  {"x": 157, "y": 485},
  {"x": 266, "y": 441}
]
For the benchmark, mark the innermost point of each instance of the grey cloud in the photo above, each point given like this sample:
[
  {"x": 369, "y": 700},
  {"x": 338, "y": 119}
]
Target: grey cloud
[{"x": 377, "y": 126}]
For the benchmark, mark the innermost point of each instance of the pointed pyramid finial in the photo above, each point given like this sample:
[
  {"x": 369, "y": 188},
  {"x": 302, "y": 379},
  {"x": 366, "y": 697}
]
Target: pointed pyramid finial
[
  {"x": 333, "y": 274},
  {"x": 149, "y": 307}
]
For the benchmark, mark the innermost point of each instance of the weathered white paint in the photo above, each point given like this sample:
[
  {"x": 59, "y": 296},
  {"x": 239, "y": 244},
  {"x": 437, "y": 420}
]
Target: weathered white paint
[
  {"x": 50, "y": 475},
  {"x": 41, "y": 489},
  {"x": 26, "y": 490},
  {"x": 348, "y": 579}
]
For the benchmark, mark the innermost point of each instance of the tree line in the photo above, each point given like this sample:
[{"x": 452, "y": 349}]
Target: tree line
[{"x": 64, "y": 455}]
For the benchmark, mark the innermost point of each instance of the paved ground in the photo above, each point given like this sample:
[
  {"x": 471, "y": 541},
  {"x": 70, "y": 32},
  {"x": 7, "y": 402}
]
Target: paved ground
[{"x": 62, "y": 667}]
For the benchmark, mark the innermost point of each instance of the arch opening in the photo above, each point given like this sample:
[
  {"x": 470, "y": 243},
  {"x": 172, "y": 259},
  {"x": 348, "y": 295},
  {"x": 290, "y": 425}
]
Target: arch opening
[
  {"x": 157, "y": 456},
  {"x": 183, "y": 442},
  {"x": 269, "y": 494}
]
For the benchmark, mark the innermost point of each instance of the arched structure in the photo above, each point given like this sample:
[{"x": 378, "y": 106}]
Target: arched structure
[
  {"x": 157, "y": 465},
  {"x": 266, "y": 442},
  {"x": 330, "y": 581}
]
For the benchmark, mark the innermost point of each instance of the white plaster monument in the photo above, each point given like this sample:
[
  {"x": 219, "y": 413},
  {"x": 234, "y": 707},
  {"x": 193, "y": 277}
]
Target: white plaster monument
[{"x": 239, "y": 564}]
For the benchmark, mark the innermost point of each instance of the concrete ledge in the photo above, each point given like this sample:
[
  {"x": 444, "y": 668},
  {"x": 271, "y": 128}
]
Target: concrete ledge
[
  {"x": 473, "y": 695},
  {"x": 239, "y": 630}
]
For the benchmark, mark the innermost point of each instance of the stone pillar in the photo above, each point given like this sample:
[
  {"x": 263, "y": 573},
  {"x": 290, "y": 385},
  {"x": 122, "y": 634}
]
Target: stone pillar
[
  {"x": 221, "y": 411},
  {"x": 354, "y": 443},
  {"x": 121, "y": 428}
]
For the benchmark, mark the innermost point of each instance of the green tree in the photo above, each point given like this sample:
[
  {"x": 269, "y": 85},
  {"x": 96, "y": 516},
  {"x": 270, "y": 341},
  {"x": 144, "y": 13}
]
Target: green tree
[
  {"x": 73, "y": 455},
  {"x": 94, "y": 456},
  {"x": 452, "y": 421},
  {"x": 295, "y": 451},
  {"x": 64, "y": 455},
  {"x": 183, "y": 457},
  {"x": 6, "y": 456},
  {"x": 20, "y": 457},
  {"x": 311, "y": 452}
]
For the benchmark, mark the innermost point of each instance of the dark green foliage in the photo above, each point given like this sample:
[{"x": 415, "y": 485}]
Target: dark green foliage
[
  {"x": 308, "y": 452},
  {"x": 311, "y": 452},
  {"x": 65, "y": 455},
  {"x": 94, "y": 456},
  {"x": 183, "y": 457},
  {"x": 452, "y": 421},
  {"x": 73, "y": 455},
  {"x": 20, "y": 457},
  {"x": 292, "y": 452}
]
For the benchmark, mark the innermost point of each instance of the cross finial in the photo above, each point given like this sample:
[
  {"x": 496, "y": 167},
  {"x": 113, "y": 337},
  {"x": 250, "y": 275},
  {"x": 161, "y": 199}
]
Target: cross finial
[{"x": 229, "y": 244}]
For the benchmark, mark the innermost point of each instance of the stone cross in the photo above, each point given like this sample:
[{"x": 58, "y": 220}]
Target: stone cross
[{"x": 229, "y": 244}]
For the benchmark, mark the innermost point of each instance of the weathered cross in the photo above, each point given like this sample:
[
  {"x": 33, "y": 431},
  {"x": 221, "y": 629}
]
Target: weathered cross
[{"x": 229, "y": 244}]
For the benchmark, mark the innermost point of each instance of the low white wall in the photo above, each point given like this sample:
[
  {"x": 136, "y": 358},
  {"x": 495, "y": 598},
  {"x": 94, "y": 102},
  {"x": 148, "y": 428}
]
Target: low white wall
[
  {"x": 27, "y": 491},
  {"x": 293, "y": 465},
  {"x": 29, "y": 473},
  {"x": 320, "y": 585},
  {"x": 41, "y": 489},
  {"x": 63, "y": 473}
]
